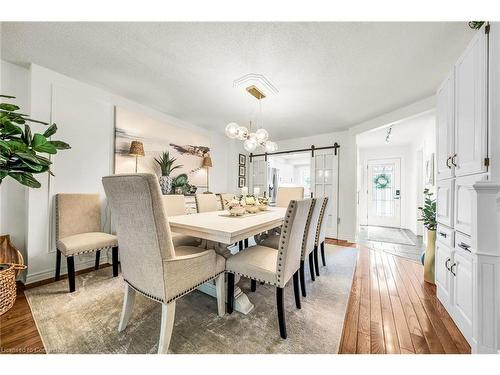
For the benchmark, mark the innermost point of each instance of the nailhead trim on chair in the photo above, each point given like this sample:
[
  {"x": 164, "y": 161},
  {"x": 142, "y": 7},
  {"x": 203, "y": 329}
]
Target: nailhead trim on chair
[
  {"x": 178, "y": 295},
  {"x": 284, "y": 237},
  {"x": 322, "y": 213},
  {"x": 308, "y": 222},
  {"x": 252, "y": 277},
  {"x": 88, "y": 251}
]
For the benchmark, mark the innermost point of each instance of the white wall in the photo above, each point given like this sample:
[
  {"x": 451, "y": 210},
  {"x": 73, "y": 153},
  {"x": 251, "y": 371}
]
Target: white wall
[{"x": 86, "y": 122}]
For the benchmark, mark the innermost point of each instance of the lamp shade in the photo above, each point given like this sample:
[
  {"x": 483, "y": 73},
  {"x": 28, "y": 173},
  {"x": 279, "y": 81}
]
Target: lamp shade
[
  {"x": 136, "y": 149},
  {"x": 207, "y": 162}
]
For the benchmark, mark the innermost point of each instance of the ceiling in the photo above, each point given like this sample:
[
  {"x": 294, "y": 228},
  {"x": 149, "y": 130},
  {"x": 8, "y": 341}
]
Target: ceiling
[{"x": 330, "y": 76}]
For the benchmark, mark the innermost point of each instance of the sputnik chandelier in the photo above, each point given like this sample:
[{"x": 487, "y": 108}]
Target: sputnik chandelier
[{"x": 252, "y": 140}]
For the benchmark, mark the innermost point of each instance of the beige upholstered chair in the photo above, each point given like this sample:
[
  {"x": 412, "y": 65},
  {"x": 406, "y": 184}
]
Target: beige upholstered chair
[
  {"x": 175, "y": 204},
  {"x": 286, "y": 194},
  {"x": 225, "y": 197},
  {"x": 78, "y": 231},
  {"x": 321, "y": 233},
  {"x": 150, "y": 263},
  {"x": 274, "y": 267},
  {"x": 207, "y": 202}
]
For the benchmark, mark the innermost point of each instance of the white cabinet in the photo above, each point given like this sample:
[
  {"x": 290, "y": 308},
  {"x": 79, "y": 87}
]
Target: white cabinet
[
  {"x": 445, "y": 112},
  {"x": 471, "y": 73},
  {"x": 444, "y": 202},
  {"x": 462, "y": 308},
  {"x": 443, "y": 274},
  {"x": 463, "y": 202}
]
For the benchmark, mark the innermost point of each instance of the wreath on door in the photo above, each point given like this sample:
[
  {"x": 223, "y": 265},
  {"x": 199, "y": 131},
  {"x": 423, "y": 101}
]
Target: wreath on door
[{"x": 381, "y": 181}]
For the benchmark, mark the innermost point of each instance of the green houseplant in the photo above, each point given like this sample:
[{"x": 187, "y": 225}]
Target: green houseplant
[
  {"x": 428, "y": 217},
  {"x": 21, "y": 150},
  {"x": 166, "y": 164}
]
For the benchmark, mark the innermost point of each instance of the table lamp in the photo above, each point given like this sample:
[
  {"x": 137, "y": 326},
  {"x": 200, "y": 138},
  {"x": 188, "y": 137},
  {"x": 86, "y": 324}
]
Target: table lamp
[
  {"x": 207, "y": 163},
  {"x": 136, "y": 149}
]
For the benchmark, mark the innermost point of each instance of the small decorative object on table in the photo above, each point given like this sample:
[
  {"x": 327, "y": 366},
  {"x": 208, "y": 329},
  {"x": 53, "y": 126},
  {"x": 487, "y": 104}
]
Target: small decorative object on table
[
  {"x": 235, "y": 207},
  {"x": 428, "y": 213},
  {"x": 251, "y": 204},
  {"x": 263, "y": 203},
  {"x": 11, "y": 263}
]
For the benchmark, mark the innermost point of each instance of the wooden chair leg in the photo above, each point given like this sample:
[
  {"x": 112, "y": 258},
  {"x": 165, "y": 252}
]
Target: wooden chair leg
[
  {"x": 128, "y": 305},
  {"x": 114, "y": 256},
  {"x": 230, "y": 292},
  {"x": 302, "y": 279},
  {"x": 323, "y": 253},
  {"x": 311, "y": 265},
  {"x": 253, "y": 285},
  {"x": 58, "y": 265},
  {"x": 296, "y": 291},
  {"x": 167, "y": 325},
  {"x": 240, "y": 245},
  {"x": 316, "y": 261},
  {"x": 246, "y": 243},
  {"x": 97, "y": 259},
  {"x": 221, "y": 298},
  {"x": 71, "y": 273},
  {"x": 281, "y": 312}
]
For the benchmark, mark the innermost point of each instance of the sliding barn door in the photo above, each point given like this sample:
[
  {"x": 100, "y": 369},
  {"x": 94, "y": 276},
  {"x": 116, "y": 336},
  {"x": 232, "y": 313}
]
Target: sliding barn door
[
  {"x": 325, "y": 182},
  {"x": 258, "y": 174}
]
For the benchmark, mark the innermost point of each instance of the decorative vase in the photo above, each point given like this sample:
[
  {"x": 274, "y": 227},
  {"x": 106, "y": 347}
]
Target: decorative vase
[
  {"x": 429, "y": 257},
  {"x": 165, "y": 184},
  {"x": 237, "y": 211}
]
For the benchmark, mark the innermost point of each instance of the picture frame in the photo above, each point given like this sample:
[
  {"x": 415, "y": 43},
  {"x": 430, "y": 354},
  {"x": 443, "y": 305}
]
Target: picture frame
[
  {"x": 242, "y": 159},
  {"x": 241, "y": 182},
  {"x": 241, "y": 171}
]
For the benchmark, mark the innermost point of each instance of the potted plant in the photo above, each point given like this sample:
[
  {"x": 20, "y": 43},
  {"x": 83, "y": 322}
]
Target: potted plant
[
  {"x": 428, "y": 217},
  {"x": 166, "y": 164}
]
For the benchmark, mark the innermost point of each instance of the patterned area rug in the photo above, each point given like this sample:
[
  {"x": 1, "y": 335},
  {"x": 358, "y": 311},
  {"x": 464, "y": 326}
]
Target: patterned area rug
[
  {"x": 86, "y": 321},
  {"x": 383, "y": 234}
]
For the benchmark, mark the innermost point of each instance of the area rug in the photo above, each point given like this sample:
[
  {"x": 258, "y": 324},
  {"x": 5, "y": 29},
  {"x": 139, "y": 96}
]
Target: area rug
[
  {"x": 86, "y": 321},
  {"x": 383, "y": 234}
]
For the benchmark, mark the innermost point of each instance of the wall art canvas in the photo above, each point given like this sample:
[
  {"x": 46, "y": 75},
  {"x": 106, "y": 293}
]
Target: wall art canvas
[{"x": 186, "y": 145}]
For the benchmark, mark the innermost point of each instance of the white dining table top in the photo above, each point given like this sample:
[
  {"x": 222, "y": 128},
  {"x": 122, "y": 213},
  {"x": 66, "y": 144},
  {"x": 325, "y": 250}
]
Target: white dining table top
[{"x": 218, "y": 226}]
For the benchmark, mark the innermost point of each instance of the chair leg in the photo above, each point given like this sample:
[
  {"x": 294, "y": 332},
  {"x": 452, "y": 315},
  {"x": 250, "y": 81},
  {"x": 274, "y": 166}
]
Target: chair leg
[
  {"x": 316, "y": 261},
  {"x": 253, "y": 285},
  {"x": 58, "y": 265},
  {"x": 114, "y": 256},
  {"x": 221, "y": 297},
  {"x": 323, "y": 253},
  {"x": 296, "y": 291},
  {"x": 311, "y": 265},
  {"x": 302, "y": 279},
  {"x": 167, "y": 325},
  {"x": 240, "y": 245},
  {"x": 97, "y": 258},
  {"x": 71, "y": 273},
  {"x": 246, "y": 243},
  {"x": 128, "y": 305},
  {"x": 281, "y": 312},
  {"x": 230, "y": 292}
]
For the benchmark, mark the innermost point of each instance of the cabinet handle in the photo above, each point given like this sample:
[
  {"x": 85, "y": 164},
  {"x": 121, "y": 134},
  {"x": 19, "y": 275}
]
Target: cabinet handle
[
  {"x": 464, "y": 246},
  {"x": 453, "y": 160},
  {"x": 446, "y": 264},
  {"x": 448, "y": 162},
  {"x": 451, "y": 269},
  {"x": 442, "y": 234}
]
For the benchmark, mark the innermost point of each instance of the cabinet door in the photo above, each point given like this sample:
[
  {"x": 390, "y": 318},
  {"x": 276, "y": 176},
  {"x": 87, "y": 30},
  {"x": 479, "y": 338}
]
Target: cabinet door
[
  {"x": 471, "y": 72},
  {"x": 462, "y": 292},
  {"x": 444, "y": 202},
  {"x": 464, "y": 193},
  {"x": 443, "y": 275},
  {"x": 445, "y": 128}
]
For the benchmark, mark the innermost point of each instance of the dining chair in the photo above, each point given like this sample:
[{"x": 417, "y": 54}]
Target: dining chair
[
  {"x": 206, "y": 202},
  {"x": 225, "y": 198},
  {"x": 175, "y": 205},
  {"x": 273, "y": 267},
  {"x": 286, "y": 194},
  {"x": 78, "y": 231},
  {"x": 321, "y": 233},
  {"x": 151, "y": 265}
]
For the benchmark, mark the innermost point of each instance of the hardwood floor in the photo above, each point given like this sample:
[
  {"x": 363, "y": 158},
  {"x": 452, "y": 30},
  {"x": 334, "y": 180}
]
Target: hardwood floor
[{"x": 390, "y": 310}]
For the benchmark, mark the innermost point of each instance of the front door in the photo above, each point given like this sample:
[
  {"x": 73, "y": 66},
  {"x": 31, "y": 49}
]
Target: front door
[{"x": 384, "y": 192}]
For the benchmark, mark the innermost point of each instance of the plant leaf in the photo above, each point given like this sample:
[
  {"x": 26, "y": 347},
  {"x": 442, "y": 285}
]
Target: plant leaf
[
  {"x": 51, "y": 130},
  {"x": 8, "y": 107},
  {"x": 25, "y": 178},
  {"x": 60, "y": 145}
]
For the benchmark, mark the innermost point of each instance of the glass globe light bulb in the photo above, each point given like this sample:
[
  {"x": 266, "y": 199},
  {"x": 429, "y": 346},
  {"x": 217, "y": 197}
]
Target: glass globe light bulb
[
  {"x": 254, "y": 137},
  {"x": 270, "y": 146},
  {"x": 242, "y": 133},
  {"x": 250, "y": 144},
  {"x": 232, "y": 130},
  {"x": 262, "y": 135}
]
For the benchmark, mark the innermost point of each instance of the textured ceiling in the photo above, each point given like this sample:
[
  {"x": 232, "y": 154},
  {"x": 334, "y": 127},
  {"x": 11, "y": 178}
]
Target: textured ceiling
[{"x": 330, "y": 76}]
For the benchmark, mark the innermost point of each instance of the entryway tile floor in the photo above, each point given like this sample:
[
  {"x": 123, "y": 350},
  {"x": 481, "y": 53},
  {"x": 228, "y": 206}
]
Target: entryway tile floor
[{"x": 407, "y": 251}]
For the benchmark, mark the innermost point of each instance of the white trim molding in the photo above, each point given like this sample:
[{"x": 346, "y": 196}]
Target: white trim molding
[{"x": 486, "y": 267}]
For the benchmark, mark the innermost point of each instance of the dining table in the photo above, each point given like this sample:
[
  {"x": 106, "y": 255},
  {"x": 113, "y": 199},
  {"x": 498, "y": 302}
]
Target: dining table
[{"x": 219, "y": 230}]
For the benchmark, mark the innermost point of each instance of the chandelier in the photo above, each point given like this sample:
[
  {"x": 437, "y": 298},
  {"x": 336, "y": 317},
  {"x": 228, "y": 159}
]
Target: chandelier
[{"x": 252, "y": 140}]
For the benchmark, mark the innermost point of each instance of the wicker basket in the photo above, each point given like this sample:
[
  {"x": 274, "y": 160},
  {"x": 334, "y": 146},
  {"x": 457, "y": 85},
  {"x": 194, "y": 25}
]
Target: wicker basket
[{"x": 13, "y": 259}]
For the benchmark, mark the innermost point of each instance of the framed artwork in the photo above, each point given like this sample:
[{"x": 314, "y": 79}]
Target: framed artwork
[
  {"x": 241, "y": 182},
  {"x": 242, "y": 159},
  {"x": 241, "y": 171}
]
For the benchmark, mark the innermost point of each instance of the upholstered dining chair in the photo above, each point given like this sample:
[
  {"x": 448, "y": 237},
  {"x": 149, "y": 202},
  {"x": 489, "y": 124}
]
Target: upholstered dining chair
[
  {"x": 78, "y": 231},
  {"x": 286, "y": 194},
  {"x": 175, "y": 205},
  {"x": 207, "y": 202},
  {"x": 225, "y": 198},
  {"x": 151, "y": 265},
  {"x": 321, "y": 233},
  {"x": 273, "y": 267}
]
